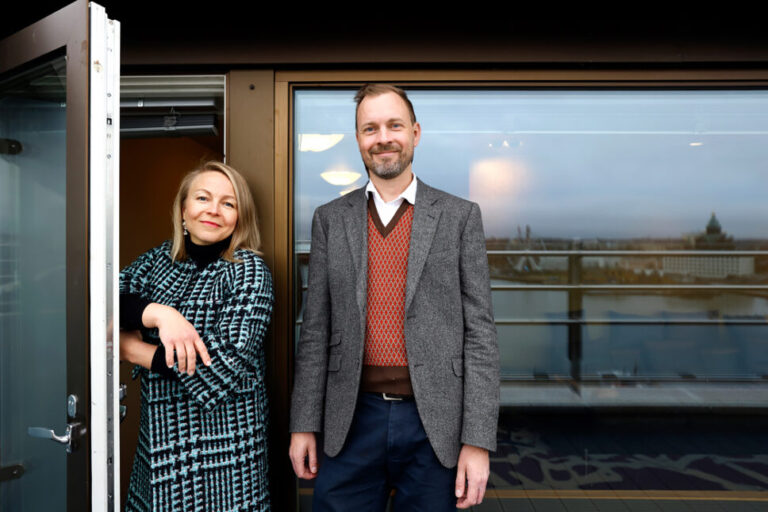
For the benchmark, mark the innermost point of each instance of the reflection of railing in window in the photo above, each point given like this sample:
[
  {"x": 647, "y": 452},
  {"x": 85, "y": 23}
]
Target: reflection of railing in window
[
  {"x": 576, "y": 290},
  {"x": 575, "y": 320}
]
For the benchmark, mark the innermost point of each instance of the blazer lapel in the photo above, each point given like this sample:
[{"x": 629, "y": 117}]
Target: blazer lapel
[
  {"x": 355, "y": 224},
  {"x": 426, "y": 213}
]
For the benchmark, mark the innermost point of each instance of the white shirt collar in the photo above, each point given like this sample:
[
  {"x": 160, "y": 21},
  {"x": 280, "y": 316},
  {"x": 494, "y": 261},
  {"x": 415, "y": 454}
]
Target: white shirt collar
[{"x": 409, "y": 194}]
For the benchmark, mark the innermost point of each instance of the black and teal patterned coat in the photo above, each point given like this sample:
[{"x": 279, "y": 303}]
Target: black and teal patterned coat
[{"x": 202, "y": 438}]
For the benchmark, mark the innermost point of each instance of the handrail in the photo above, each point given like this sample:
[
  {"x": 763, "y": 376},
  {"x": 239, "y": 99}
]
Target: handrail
[
  {"x": 621, "y": 287},
  {"x": 628, "y": 321},
  {"x": 598, "y": 252},
  {"x": 639, "y": 287},
  {"x": 619, "y": 321},
  {"x": 576, "y": 290}
]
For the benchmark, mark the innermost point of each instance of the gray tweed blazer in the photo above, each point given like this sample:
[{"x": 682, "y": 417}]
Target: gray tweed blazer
[{"x": 450, "y": 337}]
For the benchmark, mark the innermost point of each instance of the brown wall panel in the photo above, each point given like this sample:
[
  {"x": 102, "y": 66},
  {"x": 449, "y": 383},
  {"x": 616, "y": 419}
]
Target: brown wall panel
[
  {"x": 495, "y": 40},
  {"x": 251, "y": 150},
  {"x": 250, "y": 143}
]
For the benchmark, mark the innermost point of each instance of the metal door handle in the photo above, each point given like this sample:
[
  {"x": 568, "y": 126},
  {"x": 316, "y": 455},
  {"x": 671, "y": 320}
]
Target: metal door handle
[
  {"x": 71, "y": 435},
  {"x": 45, "y": 433}
]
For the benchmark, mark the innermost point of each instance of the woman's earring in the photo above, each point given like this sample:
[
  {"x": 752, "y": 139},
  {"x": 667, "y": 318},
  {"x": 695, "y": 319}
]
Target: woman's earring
[{"x": 184, "y": 227}]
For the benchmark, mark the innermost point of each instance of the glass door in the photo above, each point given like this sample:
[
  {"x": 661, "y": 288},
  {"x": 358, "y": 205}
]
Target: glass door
[
  {"x": 33, "y": 288},
  {"x": 55, "y": 416}
]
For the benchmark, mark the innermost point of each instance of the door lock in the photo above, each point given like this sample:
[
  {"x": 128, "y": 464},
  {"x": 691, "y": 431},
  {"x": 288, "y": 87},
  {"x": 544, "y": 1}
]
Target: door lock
[{"x": 74, "y": 432}]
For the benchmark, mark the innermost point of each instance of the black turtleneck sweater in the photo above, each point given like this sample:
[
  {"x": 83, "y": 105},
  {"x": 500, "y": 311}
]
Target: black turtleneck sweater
[{"x": 132, "y": 305}]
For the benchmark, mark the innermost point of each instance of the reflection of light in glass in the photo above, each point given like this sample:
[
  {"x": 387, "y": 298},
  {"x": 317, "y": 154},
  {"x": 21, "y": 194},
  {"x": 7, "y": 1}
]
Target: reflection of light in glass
[
  {"x": 695, "y": 144},
  {"x": 347, "y": 190},
  {"x": 340, "y": 176},
  {"x": 496, "y": 178},
  {"x": 495, "y": 184},
  {"x": 318, "y": 141},
  {"x": 506, "y": 144}
]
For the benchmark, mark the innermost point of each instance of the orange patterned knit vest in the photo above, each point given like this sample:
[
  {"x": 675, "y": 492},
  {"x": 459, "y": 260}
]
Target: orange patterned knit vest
[{"x": 387, "y": 272}]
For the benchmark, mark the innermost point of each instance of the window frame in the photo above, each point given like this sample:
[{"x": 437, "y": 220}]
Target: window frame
[{"x": 287, "y": 82}]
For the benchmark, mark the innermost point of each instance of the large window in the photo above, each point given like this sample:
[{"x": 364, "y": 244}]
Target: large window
[
  {"x": 627, "y": 238},
  {"x": 627, "y": 230}
]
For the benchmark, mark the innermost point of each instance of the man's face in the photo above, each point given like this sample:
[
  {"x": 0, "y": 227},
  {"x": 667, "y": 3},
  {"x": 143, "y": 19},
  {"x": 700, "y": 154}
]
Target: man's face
[{"x": 385, "y": 135}]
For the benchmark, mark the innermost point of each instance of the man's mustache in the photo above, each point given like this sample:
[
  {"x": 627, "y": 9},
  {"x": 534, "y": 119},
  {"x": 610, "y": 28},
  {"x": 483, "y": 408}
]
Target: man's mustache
[{"x": 384, "y": 148}]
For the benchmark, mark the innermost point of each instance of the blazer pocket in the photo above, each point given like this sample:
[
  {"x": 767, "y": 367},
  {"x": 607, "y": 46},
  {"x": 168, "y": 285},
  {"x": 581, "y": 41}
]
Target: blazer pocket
[
  {"x": 334, "y": 362},
  {"x": 335, "y": 339},
  {"x": 441, "y": 254},
  {"x": 458, "y": 366}
]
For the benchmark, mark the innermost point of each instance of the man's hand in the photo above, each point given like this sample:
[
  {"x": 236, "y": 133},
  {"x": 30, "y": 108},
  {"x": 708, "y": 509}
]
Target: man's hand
[
  {"x": 303, "y": 454},
  {"x": 176, "y": 334},
  {"x": 471, "y": 476}
]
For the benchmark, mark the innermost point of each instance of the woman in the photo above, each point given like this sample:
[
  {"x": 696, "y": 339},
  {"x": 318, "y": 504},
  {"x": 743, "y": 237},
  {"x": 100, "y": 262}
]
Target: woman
[{"x": 202, "y": 436}]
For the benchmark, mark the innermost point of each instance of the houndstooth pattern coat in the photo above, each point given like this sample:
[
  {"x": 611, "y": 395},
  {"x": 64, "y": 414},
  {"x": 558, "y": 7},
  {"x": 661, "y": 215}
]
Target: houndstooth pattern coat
[{"x": 202, "y": 438}]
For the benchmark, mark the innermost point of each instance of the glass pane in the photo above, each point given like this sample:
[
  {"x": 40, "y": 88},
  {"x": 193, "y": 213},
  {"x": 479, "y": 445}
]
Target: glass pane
[
  {"x": 534, "y": 351},
  {"x": 626, "y": 166},
  {"x": 657, "y": 194},
  {"x": 33, "y": 285},
  {"x": 628, "y": 223},
  {"x": 680, "y": 335}
]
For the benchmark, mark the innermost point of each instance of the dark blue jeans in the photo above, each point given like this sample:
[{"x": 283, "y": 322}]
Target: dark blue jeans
[{"x": 386, "y": 449}]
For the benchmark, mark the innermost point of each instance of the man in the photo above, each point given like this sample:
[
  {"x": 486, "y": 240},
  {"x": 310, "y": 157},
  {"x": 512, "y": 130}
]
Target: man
[{"x": 397, "y": 363}]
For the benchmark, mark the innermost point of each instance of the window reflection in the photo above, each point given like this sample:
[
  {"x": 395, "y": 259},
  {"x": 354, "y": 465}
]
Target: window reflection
[{"x": 626, "y": 229}]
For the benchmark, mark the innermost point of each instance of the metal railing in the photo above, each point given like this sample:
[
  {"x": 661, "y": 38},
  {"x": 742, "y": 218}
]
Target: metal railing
[{"x": 575, "y": 314}]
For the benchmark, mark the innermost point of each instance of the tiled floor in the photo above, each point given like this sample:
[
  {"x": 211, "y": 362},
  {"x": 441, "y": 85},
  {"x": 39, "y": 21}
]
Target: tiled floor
[
  {"x": 515, "y": 505},
  {"x": 676, "y": 461}
]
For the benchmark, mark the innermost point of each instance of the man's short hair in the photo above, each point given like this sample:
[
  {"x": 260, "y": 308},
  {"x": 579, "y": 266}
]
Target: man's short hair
[{"x": 379, "y": 89}]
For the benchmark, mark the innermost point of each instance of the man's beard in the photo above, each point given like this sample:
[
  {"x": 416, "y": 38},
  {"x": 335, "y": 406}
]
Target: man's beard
[{"x": 392, "y": 168}]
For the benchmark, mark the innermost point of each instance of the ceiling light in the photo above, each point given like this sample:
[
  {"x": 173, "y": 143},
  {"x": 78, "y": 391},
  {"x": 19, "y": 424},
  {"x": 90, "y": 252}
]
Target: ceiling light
[{"x": 340, "y": 176}]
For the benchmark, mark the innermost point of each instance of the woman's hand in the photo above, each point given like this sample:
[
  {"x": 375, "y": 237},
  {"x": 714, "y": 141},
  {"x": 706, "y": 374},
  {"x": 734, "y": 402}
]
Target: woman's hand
[
  {"x": 176, "y": 334},
  {"x": 134, "y": 350}
]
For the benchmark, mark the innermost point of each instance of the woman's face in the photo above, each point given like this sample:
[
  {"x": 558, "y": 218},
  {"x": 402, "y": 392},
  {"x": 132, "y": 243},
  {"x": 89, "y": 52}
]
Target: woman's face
[{"x": 210, "y": 209}]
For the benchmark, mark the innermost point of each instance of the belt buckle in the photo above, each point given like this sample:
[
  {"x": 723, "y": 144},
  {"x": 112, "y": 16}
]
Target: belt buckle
[{"x": 385, "y": 396}]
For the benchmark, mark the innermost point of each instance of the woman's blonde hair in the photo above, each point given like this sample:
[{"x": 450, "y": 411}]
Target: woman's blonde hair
[{"x": 246, "y": 234}]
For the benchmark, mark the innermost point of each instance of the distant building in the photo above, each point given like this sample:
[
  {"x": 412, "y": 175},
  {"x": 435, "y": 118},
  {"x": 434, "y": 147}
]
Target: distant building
[{"x": 712, "y": 239}]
